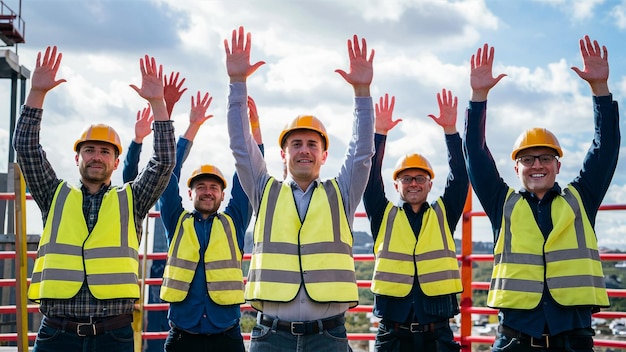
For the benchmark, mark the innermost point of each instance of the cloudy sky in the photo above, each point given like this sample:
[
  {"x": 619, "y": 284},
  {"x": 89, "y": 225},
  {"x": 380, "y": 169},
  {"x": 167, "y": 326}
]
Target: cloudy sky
[{"x": 421, "y": 47}]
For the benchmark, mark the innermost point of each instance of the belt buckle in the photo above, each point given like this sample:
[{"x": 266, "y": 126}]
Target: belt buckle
[
  {"x": 79, "y": 325},
  {"x": 297, "y": 324},
  {"x": 415, "y": 327},
  {"x": 538, "y": 342}
]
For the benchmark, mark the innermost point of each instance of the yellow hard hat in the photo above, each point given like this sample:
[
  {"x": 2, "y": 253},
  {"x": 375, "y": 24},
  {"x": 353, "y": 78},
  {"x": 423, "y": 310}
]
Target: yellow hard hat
[
  {"x": 536, "y": 137},
  {"x": 100, "y": 133},
  {"x": 304, "y": 122},
  {"x": 413, "y": 161},
  {"x": 206, "y": 170}
]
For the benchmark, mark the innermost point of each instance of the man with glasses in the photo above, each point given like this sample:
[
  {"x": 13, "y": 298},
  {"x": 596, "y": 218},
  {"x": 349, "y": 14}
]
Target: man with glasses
[
  {"x": 547, "y": 278},
  {"x": 416, "y": 277}
]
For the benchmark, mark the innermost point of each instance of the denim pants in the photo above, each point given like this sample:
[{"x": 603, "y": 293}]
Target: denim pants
[
  {"x": 512, "y": 344},
  {"x": 266, "y": 339},
  {"x": 181, "y": 341},
  {"x": 389, "y": 339},
  {"x": 54, "y": 340}
]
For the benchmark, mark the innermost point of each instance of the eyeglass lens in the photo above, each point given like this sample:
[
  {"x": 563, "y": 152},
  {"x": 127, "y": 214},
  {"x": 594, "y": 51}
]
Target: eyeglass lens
[
  {"x": 407, "y": 180},
  {"x": 544, "y": 159}
]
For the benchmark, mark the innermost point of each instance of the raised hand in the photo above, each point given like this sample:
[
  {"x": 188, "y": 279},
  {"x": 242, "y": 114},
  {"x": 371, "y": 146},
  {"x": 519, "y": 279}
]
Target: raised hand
[
  {"x": 255, "y": 126},
  {"x": 151, "y": 80},
  {"x": 447, "y": 111},
  {"x": 361, "y": 67},
  {"x": 595, "y": 66},
  {"x": 197, "y": 114},
  {"x": 481, "y": 76},
  {"x": 384, "y": 115},
  {"x": 172, "y": 91},
  {"x": 44, "y": 76},
  {"x": 143, "y": 125},
  {"x": 238, "y": 57}
]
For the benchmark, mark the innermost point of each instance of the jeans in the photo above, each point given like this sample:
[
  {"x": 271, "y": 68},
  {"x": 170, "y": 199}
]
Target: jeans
[
  {"x": 264, "y": 339},
  {"x": 390, "y": 340},
  {"x": 512, "y": 344},
  {"x": 54, "y": 340},
  {"x": 181, "y": 341}
]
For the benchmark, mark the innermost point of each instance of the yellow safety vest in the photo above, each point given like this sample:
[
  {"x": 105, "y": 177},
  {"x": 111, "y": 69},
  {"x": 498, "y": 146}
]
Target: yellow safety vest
[
  {"x": 222, "y": 262},
  {"x": 399, "y": 255},
  {"x": 109, "y": 252},
  {"x": 316, "y": 252},
  {"x": 572, "y": 269}
]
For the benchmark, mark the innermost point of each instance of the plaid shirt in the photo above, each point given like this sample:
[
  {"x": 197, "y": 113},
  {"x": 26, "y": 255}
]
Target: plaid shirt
[{"x": 42, "y": 184}]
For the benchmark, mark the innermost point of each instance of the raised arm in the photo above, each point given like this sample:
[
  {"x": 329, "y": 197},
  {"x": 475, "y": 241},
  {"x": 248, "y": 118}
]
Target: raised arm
[
  {"x": 361, "y": 67},
  {"x": 172, "y": 91},
  {"x": 249, "y": 162},
  {"x": 457, "y": 182},
  {"x": 374, "y": 198},
  {"x": 481, "y": 168}
]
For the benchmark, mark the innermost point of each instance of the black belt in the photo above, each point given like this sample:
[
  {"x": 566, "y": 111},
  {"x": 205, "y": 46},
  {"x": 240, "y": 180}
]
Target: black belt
[
  {"x": 416, "y": 327},
  {"x": 302, "y": 327},
  {"x": 576, "y": 341},
  {"x": 89, "y": 326}
]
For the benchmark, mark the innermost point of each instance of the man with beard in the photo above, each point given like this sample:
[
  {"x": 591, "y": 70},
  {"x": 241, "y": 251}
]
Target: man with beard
[
  {"x": 203, "y": 279},
  {"x": 85, "y": 274}
]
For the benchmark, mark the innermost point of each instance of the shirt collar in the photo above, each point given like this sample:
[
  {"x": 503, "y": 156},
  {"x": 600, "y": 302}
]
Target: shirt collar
[
  {"x": 550, "y": 194},
  {"x": 294, "y": 185}
]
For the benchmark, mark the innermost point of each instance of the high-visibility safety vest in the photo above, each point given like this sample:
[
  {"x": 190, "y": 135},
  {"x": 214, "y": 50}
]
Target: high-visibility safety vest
[
  {"x": 399, "y": 255},
  {"x": 68, "y": 252},
  {"x": 316, "y": 252},
  {"x": 222, "y": 262},
  {"x": 568, "y": 258}
]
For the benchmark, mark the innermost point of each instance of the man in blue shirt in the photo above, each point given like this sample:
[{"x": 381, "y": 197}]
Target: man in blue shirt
[
  {"x": 416, "y": 297},
  {"x": 547, "y": 278},
  {"x": 203, "y": 315}
]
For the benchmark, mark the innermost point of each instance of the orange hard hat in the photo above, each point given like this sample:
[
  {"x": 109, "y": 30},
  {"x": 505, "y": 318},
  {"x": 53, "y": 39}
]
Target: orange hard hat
[
  {"x": 536, "y": 137},
  {"x": 206, "y": 170},
  {"x": 413, "y": 161},
  {"x": 100, "y": 133},
  {"x": 304, "y": 122}
]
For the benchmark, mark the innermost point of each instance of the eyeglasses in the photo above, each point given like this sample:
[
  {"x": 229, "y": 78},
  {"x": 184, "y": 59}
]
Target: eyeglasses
[
  {"x": 407, "y": 180},
  {"x": 544, "y": 159}
]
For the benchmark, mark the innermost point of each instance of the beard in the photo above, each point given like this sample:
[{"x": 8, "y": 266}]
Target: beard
[{"x": 91, "y": 175}]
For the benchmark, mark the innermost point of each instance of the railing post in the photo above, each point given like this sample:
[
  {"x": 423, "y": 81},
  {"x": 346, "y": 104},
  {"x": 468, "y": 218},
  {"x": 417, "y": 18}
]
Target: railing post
[
  {"x": 21, "y": 260},
  {"x": 466, "y": 273}
]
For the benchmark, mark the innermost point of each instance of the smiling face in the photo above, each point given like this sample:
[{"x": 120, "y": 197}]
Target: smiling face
[
  {"x": 413, "y": 193},
  {"x": 539, "y": 177},
  {"x": 96, "y": 162},
  {"x": 303, "y": 153},
  {"x": 207, "y": 194}
]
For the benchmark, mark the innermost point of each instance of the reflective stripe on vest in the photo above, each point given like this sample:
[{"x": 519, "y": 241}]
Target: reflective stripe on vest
[
  {"x": 288, "y": 252},
  {"x": 573, "y": 271},
  {"x": 399, "y": 255},
  {"x": 222, "y": 262},
  {"x": 109, "y": 252}
]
